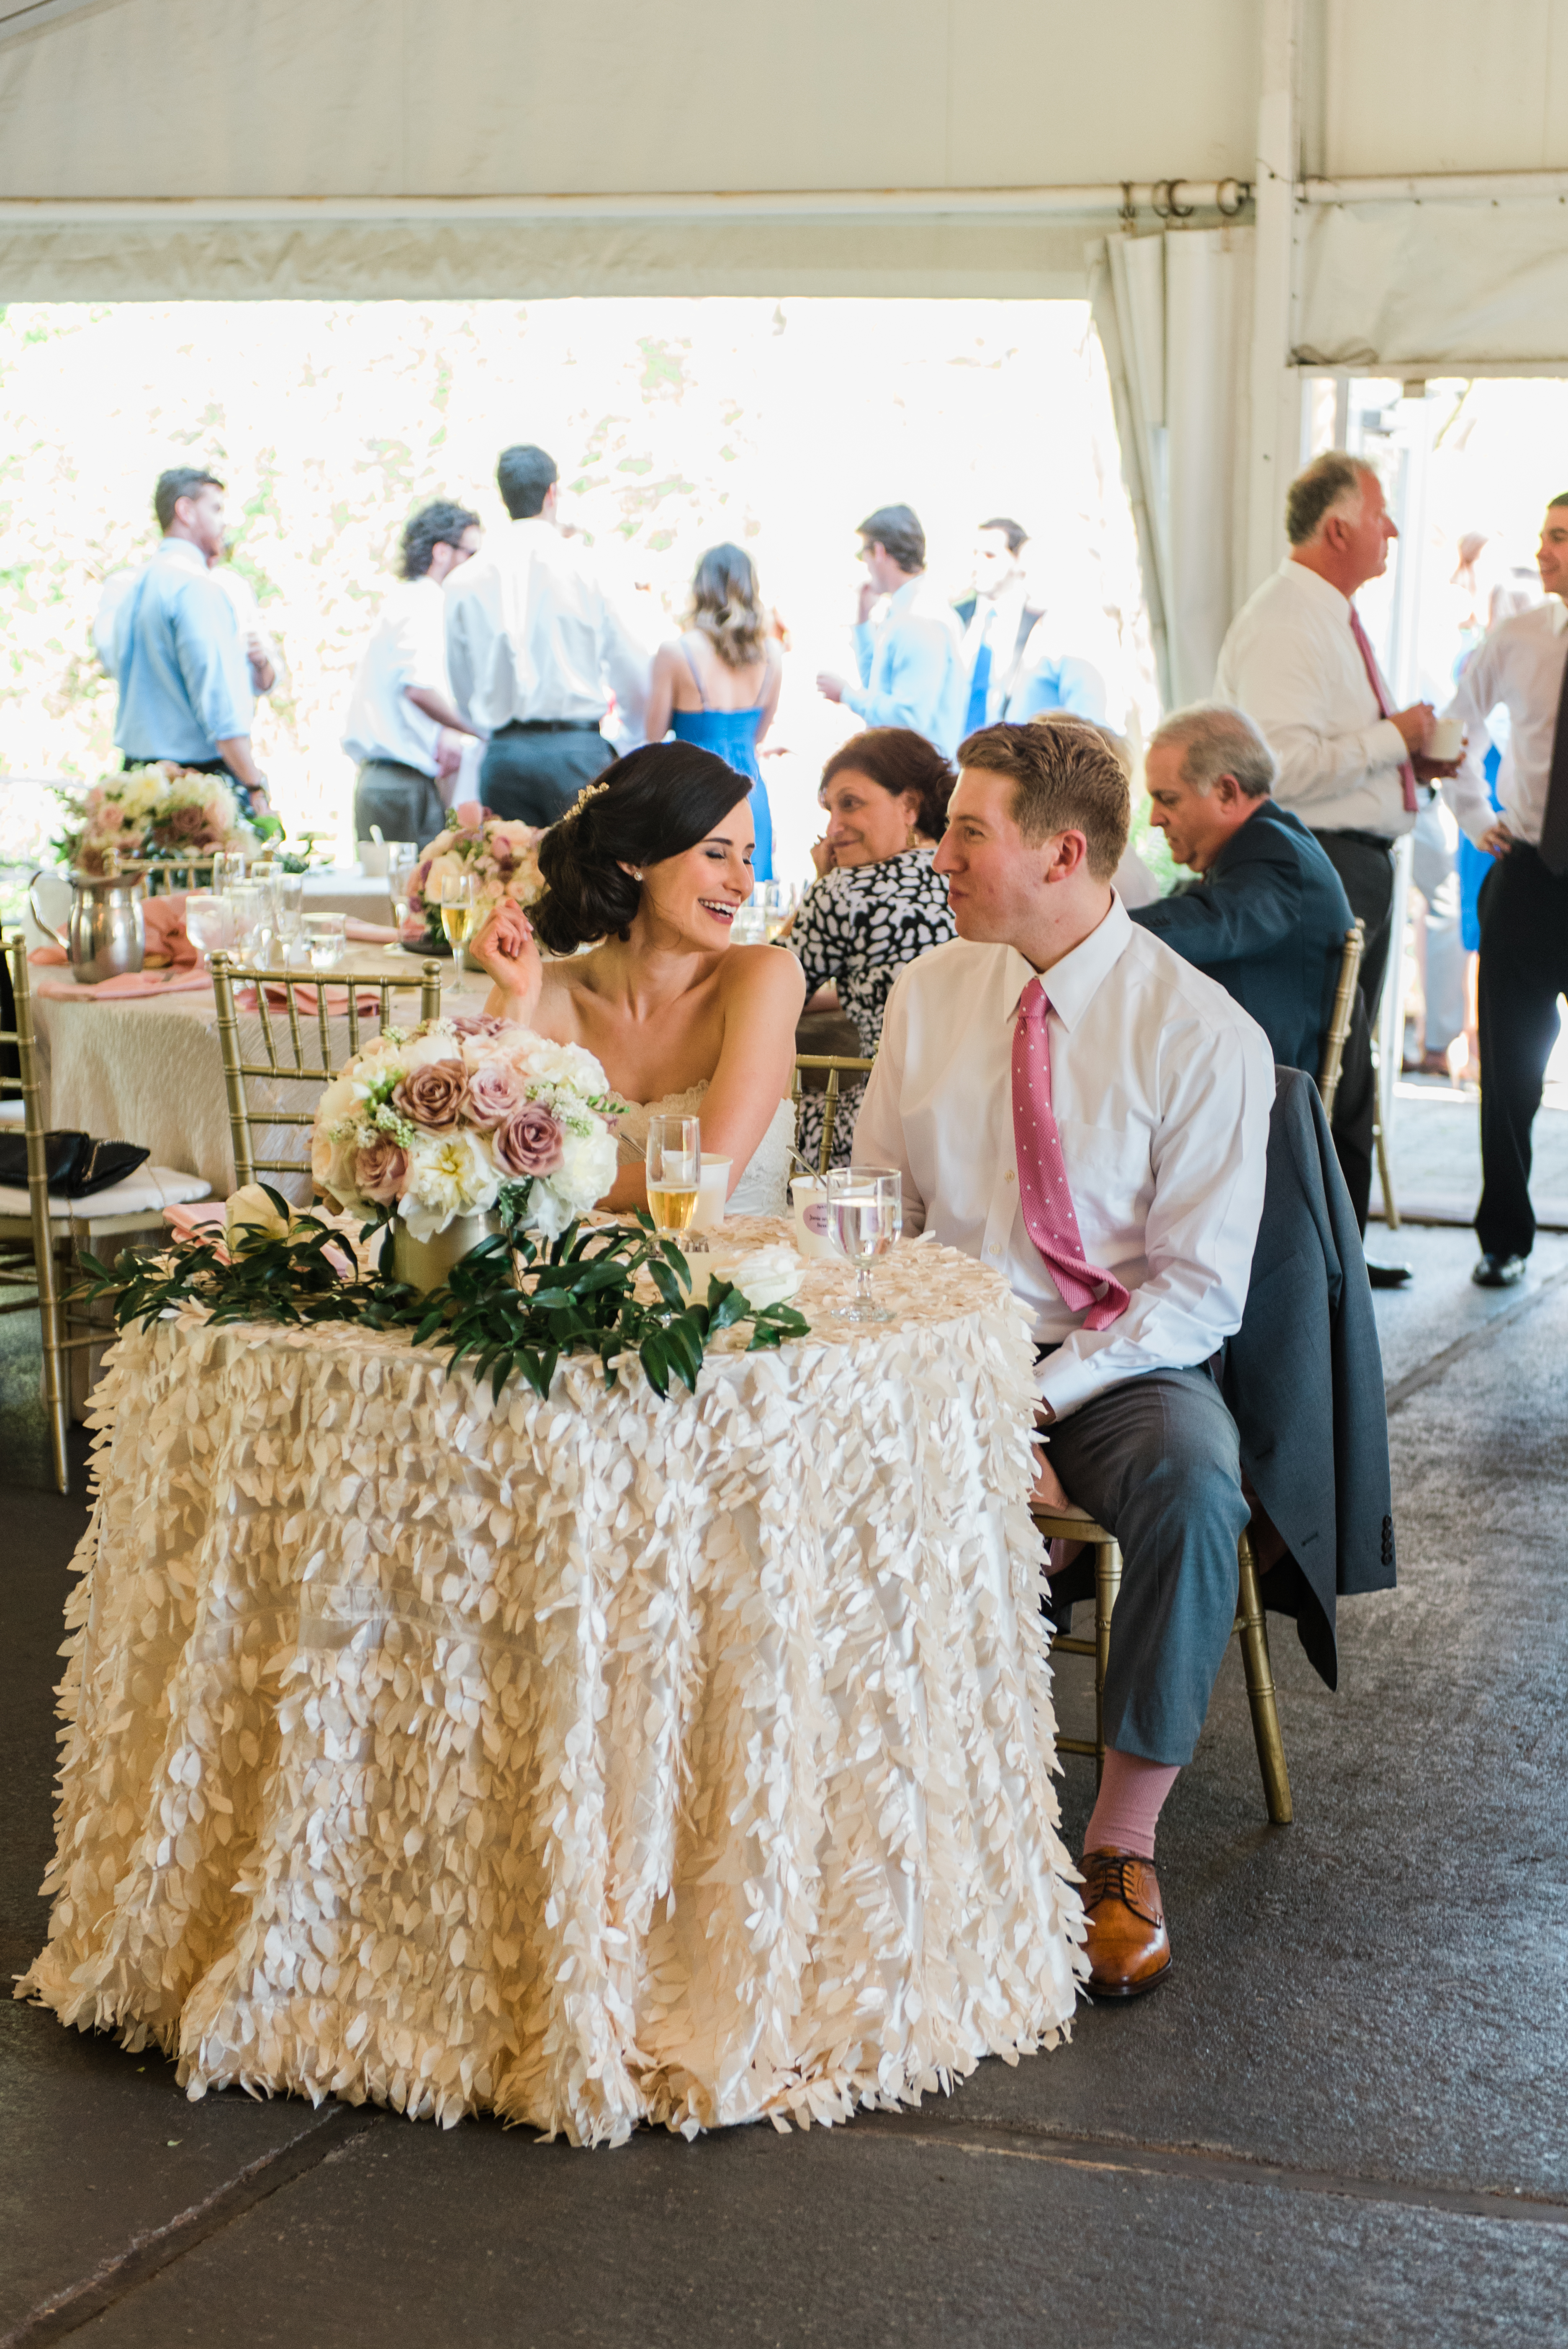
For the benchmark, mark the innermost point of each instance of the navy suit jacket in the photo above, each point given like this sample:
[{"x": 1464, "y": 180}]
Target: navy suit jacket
[{"x": 1267, "y": 921}]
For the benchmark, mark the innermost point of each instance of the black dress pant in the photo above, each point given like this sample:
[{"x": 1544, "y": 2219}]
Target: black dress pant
[
  {"x": 532, "y": 774},
  {"x": 1365, "y": 863},
  {"x": 1523, "y": 970}
]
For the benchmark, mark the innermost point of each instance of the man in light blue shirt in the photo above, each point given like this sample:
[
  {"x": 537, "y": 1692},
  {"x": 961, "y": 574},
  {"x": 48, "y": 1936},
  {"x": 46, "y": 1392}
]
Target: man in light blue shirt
[
  {"x": 183, "y": 672},
  {"x": 911, "y": 664}
]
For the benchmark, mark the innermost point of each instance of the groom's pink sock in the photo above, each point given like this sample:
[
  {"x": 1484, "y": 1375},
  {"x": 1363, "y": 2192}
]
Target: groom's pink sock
[{"x": 1128, "y": 1804}]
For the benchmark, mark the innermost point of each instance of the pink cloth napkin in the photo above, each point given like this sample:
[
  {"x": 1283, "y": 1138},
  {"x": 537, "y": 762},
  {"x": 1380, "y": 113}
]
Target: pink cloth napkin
[
  {"x": 371, "y": 933},
  {"x": 305, "y": 997},
  {"x": 129, "y": 985},
  {"x": 187, "y": 1222}
]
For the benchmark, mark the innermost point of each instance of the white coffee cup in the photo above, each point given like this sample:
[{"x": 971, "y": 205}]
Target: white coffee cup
[
  {"x": 373, "y": 856},
  {"x": 808, "y": 1198},
  {"x": 1446, "y": 740},
  {"x": 712, "y": 1193}
]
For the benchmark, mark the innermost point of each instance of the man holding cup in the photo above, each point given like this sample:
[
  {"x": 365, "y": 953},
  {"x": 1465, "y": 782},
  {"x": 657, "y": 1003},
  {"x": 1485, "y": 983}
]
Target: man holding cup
[
  {"x": 1356, "y": 770},
  {"x": 1521, "y": 666}
]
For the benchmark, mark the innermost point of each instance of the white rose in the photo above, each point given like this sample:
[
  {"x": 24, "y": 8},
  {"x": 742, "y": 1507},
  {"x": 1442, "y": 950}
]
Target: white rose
[
  {"x": 250, "y": 1212},
  {"x": 765, "y": 1276}
]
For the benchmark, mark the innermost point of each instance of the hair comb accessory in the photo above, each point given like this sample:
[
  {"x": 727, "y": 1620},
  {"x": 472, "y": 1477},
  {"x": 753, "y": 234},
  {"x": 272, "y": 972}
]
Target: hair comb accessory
[{"x": 589, "y": 792}]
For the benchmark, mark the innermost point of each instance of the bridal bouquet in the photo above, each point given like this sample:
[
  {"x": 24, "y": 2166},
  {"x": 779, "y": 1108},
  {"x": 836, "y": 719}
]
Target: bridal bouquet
[
  {"x": 162, "y": 811},
  {"x": 463, "y": 1116},
  {"x": 504, "y": 863}
]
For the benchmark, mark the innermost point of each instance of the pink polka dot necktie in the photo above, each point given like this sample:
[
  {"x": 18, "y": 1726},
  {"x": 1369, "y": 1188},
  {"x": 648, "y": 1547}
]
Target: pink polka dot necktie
[{"x": 1048, "y": 1211}]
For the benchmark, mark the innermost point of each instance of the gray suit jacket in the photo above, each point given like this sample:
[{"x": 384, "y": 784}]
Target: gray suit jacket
[{"x": 1303, "y": 1379}]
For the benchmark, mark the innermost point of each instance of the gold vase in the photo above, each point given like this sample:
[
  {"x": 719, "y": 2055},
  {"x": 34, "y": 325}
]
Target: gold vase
[{"x": 426, "y": 1263}]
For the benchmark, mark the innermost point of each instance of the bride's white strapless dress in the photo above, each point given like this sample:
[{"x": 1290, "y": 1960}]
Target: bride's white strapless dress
[{"x": 764, "y": 1186}]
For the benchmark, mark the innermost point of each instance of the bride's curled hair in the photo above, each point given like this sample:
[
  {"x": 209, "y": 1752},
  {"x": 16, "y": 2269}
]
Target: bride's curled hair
[{"x": 655, "y": 802}]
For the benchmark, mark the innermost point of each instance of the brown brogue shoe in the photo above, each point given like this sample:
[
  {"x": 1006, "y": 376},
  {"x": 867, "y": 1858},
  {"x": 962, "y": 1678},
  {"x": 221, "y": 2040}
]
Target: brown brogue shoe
[{"x": 1128, "y": 1947}]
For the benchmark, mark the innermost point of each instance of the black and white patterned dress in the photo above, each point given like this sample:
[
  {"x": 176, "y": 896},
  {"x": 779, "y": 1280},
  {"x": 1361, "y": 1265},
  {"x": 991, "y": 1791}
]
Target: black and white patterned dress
[{"x": 858, "y": 927}]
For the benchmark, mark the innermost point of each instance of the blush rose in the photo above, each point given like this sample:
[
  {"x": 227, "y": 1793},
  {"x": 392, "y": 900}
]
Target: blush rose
[
  {"x": 432, "y": 1096},
  {"x": 530, "y": 1142}
]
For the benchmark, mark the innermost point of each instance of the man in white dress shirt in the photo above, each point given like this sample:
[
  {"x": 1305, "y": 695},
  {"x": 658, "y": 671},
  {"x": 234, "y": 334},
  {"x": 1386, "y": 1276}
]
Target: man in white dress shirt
[
  {"x": 402, "y": 726},
  {"x": 1522, "y": 666},
  {"x": 1296, "y": 658},
  {"x": 536, "y": 652},
  {"x": 1053, "y": 1047}
]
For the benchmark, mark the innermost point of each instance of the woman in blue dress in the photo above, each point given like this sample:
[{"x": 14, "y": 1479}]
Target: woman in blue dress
[{"x": 718, "y": 683}]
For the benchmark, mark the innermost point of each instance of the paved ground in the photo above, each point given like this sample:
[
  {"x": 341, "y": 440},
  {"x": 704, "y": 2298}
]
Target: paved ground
[
  {"x": 1341, "y": 2120},
  {"x": 1436, "y": 1154}
]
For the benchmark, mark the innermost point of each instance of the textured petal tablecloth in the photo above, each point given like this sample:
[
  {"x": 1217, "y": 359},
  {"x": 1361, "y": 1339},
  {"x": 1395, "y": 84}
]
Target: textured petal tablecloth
[{"x": 591, "y": 1760}]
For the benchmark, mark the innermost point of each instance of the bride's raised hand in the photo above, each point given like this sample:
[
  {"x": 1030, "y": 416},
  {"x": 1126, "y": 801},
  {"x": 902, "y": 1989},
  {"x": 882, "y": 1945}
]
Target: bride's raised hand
[{"x": 507, "y": 948}]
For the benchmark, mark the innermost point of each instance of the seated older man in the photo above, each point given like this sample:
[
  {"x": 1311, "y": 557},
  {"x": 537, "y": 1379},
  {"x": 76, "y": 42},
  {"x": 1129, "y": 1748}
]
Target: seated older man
[
  {"x": 1268, "y": 916},
  {"x": 1071, "y": 1103}
]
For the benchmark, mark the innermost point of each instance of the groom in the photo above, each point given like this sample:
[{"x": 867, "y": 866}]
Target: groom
[{"x": 1076, "y": 1107}]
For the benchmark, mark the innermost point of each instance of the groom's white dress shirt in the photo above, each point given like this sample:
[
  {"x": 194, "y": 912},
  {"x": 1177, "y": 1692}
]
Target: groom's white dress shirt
[{"x": 1162, "y": 1088}]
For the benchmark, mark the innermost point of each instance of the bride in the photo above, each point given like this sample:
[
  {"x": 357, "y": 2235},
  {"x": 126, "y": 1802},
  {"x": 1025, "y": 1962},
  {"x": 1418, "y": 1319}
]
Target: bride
[{"x": 652, "y": 863}]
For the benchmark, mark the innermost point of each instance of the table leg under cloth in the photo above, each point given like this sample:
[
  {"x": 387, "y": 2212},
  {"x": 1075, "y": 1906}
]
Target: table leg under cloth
[{"x": 591, "y": 1760}]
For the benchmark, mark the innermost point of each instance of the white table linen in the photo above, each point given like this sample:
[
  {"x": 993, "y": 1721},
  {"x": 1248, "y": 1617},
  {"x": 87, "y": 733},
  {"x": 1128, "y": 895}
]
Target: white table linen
[{"x": 591, "y": 1760}]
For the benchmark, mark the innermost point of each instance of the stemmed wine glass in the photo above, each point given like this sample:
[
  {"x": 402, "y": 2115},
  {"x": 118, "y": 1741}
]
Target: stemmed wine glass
[
  {"x": 402, "y": 863},
  {"x": 674, "y": 1176},
  {"x": 209, "y": 923},
  {"x": 460, "y": 914},
  {"x": 865, "y": 1217}
]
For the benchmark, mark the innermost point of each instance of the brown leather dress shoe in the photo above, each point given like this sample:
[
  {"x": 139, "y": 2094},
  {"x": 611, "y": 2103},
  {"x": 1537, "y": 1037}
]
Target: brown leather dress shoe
[{"x": 1127, "y": 1945}]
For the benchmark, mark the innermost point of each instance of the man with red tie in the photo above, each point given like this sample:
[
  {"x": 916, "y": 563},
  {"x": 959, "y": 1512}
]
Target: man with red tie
[
  {"x": 1297, "y": 659},
  {"x": 1073, "y": 1104}
]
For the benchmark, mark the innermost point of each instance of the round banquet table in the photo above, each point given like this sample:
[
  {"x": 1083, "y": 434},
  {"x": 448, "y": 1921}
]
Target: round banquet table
[{"x": 590, "y": 1760}]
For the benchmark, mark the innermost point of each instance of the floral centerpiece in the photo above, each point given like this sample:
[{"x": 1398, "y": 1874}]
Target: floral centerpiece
[
  {"x": 164, "y": 811},
  {"x": 466, "y": 1118},
  {"x": 502, "y": 858}
]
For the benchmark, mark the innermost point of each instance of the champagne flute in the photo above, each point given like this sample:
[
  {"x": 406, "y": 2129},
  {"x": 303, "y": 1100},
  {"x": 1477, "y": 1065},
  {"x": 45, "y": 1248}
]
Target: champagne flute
[
  {"x": 674, "y": 1173},
  {"x": 460, "y": 914},
  {"x": 865, "y": 1217}
]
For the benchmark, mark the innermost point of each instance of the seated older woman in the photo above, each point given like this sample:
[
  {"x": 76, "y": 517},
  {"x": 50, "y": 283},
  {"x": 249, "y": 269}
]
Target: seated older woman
[{"x": 878, "y": 904}]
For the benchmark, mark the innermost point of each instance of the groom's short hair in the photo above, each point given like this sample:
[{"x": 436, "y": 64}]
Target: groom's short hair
[{"x": 1064, "y": 778}]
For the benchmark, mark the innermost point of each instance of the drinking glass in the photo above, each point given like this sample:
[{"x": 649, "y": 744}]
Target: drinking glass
[
  {"x": 327, "y": 935},
  {"x": 228, "y": 866},
  {"x": 251, "y": 906},
  {"x": 209, "y": 923},
  {"x": 674, "y": 1173},
  {"x": 778, "y": 905},
  {"x": 865, "y": 1217},
  {"x": 402, "y": 863},
  {"x": 287, "y": 908},
  {"x": 460, "y": 915}
]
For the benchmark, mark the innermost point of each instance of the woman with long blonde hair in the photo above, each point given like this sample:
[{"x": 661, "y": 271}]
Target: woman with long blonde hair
[{"x": 717, "y": 684}]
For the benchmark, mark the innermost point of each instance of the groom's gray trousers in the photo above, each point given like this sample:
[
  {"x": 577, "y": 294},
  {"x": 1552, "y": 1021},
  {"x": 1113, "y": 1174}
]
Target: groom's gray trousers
[{"x": 1156, "y": 1460}]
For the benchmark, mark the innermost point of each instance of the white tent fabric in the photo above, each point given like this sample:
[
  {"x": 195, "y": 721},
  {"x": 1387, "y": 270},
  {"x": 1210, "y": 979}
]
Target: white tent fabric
[
  {"x": 1412, "y": 288},
  {"x": 1173, "y": 314}
]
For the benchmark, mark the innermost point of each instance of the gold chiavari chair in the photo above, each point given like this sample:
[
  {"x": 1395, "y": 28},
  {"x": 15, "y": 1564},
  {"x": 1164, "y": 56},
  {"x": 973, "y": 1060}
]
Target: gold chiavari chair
[
  {"x": 39, "y": 1250},
  {"x": 160, "y": 877},
  {"x": 1343, "y": 1011},
  {"x": 836, "y": 1066},
  {"x": 304, "y": 1039},
  {"x": 1249, "y": 1628}
]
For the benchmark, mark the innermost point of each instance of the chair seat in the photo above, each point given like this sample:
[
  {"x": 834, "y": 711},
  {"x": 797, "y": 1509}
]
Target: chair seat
[
  {"x": 146, "y": 1193},
  {"x": 13, "y": 1112}
]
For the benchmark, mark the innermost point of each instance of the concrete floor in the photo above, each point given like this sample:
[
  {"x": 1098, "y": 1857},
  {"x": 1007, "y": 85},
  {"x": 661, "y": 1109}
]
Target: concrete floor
[{"x": 1342, "y": 2119}]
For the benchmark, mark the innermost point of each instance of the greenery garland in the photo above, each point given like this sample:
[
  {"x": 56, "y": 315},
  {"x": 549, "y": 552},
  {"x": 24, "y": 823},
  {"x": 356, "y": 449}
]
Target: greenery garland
[{"x": 510, "y": 1305}]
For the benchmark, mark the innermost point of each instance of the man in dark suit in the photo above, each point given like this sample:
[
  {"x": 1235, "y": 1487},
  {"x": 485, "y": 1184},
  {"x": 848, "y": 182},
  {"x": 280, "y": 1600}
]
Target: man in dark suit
[{"x": 1267, "y": 917}]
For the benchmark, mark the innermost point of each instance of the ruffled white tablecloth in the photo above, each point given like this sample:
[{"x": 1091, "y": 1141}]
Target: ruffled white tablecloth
[{"x": 590, "y": 1760}]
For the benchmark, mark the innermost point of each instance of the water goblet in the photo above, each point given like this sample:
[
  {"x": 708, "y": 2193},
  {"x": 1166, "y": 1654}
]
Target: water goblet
[
  {"x": 674, "y": 1174},
  {"x": 402, "y": 864},
  {"x": 228, "y": 866},
  {"x": 251, "y": 906},
  {"x": 865, "y": 1217},
  {"x": 327, "y": 935},
  {"x": 209, "y": 923}
]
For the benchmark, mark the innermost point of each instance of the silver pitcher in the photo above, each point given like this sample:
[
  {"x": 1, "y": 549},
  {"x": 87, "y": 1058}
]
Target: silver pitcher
[{"x": 96, "y": 917}]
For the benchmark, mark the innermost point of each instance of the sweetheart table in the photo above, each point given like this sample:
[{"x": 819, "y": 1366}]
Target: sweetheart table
[{"x": 589, "y": 1760}]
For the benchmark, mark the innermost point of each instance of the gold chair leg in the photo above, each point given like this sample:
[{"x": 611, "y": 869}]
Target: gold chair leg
[
  {"x": 56, "y": 1403},
  {"x": 1107, "y": 1582},
  {"x": 1254, "y": 1639}
]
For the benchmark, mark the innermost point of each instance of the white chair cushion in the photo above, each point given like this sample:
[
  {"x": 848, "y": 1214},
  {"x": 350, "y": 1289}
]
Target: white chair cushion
[
  {"x": 147, "y": 1191},
  {"x": 13, "y": 1112}
]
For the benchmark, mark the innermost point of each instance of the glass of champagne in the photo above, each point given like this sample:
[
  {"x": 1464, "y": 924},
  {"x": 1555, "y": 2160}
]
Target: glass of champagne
[
  {"x": 461, "y": 914},
  {"x": 674, "y": 1173},
  {"x": 865, "y": 1217},
  {"x": 209, "y": 923}
]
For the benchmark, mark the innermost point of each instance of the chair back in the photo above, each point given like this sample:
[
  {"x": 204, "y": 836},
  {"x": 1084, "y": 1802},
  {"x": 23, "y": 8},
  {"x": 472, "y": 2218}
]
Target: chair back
[
  {"x": 1343, "y": 1011},
  {"x": 836, "y": 1065},
  {"x": 27, "y": 1263},
  {"x": 305, "y": 1038},
  {"x": 160, "y": 877}
]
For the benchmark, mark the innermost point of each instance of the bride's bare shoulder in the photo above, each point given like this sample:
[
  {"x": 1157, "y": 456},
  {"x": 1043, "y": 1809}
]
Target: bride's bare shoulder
[{"x": 761, "y": 974}]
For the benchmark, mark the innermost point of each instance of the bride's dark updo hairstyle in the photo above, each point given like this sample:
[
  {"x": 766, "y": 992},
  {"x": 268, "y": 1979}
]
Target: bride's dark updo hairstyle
[{"x": 655, "y": 802}]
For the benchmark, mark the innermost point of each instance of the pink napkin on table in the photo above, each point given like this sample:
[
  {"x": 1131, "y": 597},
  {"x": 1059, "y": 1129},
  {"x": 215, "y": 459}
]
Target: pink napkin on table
[
  {"x": 371, "y": 933},
  {"x": 192, "y": 1222},
  {"x": 304, "y": 998},
  {"x": 129, "y": 985}
]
